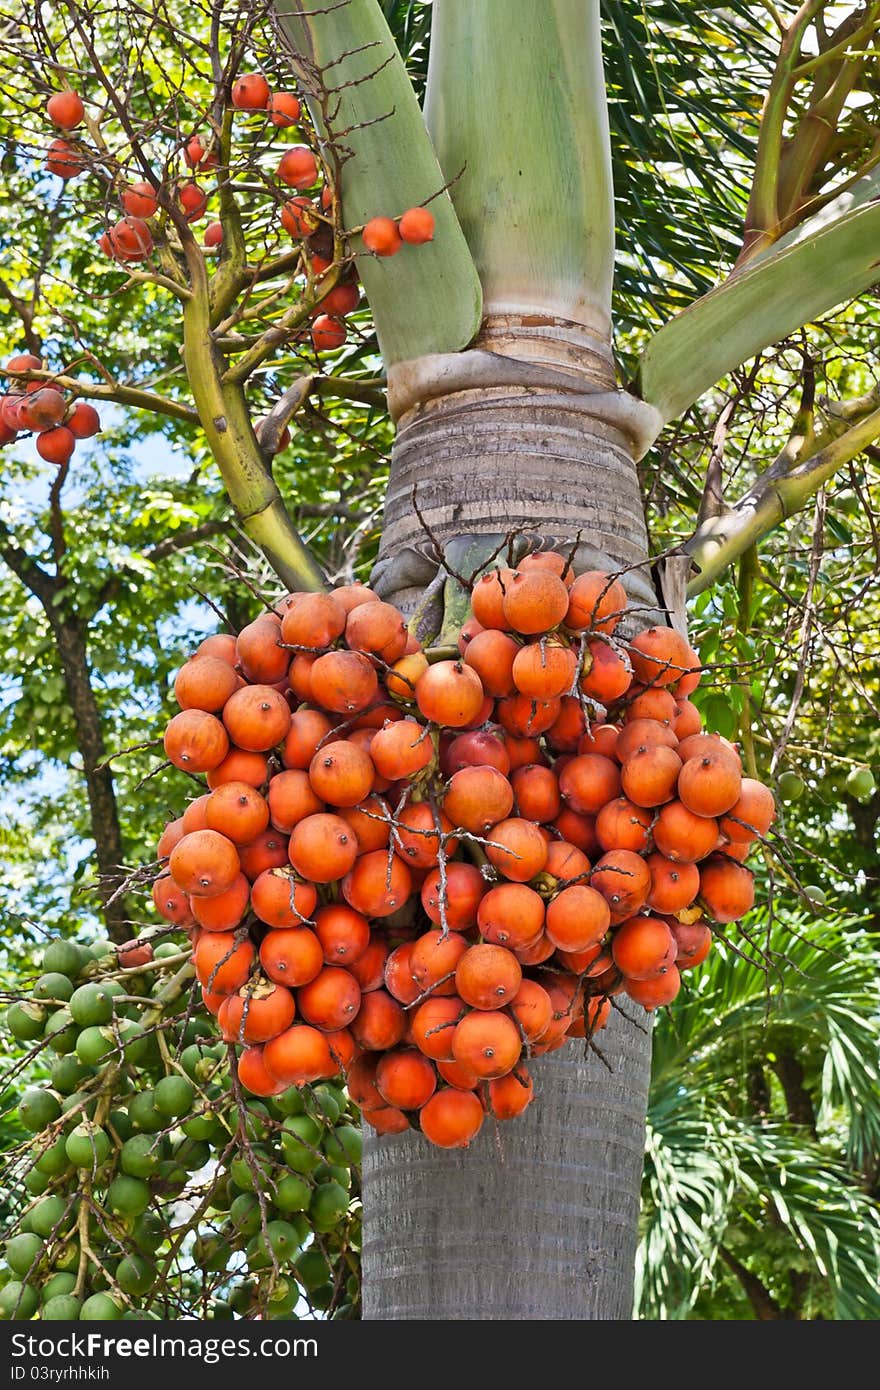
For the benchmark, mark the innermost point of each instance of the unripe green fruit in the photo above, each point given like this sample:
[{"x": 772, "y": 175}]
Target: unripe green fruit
[
  {"x": 67, "y": 1073},
  {"x": 26, "y": 1021},
  {"x": 173, "y": 1096},
  {"x": 101, "y": 949},
  {"x": 219, "y": 1311},
  {"x": 817, "y": 896},
  {"x": 136, "y": 1042},
  {"x": 35, "y": 1182},
  {"x": 292, "y": 1194},
  {"x": 91, "y": 1005},
  {"x": 140, "y": 1156},
  {"x": 121, "y": 1124},
  {"x": 143, "y": 1114},
  {"x": 300, "y": 1135},
  {"x": 192, "y": 1154},
  {"x": 61, "y": 1032},
  {"x": 289, "y": 1102},
  {"x": 242, "y": 1176},
  {"x": 196, "y": 1028},
  {"x": 166, "y": 951},
  {"x": 53, "y": 985},
  {"x": 322, "y": 1297},
  {"x": 350, "y": 1141},
  {"x": 282, "y": 1240},
  {"x": 329, "y": 1204},
  {"x": 37, "y": 1108},
  {"x": 134, "y": 1274},
  {"x": 17, "y": 1301},
  {"x": 54, "y": 1160},
  {"x": 333, "y": 1172},
  {"x": 100, "y": 1308},
  {"x": 47, "y": 1214},
  {"x": 329, "y": 1100},
  {"x": 61, "y": 1308},
  {"x": 312, "y": 1268},
  {"x": 210, "y": 1252},
  {"x": 201, "y": 1127},
  {"x": 791, "y": 786},
  {"x": 245, "y": 1215},
  {"x": 57, "y": 1285},
  {"x": 66, "y": 1257},
  {"x": 22, "y": 1252},
  {"x": 141, "y": 1315},
  {"x": 256, "y": 1122},
  {"x": 81, "y": 1104},
  {"x": 65, "y": 957},
  {"x": 148, "y": 1232},
  {"x": 88, "y": 1146},
  {"x": 860, "y": 783},
  {"x": 95, "y": 1046},
  {"x": 193, "y": 1060},
  {"x": 242, "y": 1297}
]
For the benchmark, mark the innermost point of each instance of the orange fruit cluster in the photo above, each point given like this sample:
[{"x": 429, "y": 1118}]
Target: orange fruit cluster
[
  {"x": 421, "y": 871},
  {"x": 39, "y": 407}
]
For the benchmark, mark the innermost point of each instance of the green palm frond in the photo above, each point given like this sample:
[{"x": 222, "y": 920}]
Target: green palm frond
[{"x": 723, "y": 1174}]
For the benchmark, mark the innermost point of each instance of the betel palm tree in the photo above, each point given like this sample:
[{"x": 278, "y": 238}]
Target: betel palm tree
[
  {"x": 511, "y": 418},
  {"x": 764, "y": 1138}
]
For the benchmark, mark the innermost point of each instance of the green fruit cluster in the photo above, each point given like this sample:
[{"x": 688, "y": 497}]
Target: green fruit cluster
[{"x": 147, "y": 1184}]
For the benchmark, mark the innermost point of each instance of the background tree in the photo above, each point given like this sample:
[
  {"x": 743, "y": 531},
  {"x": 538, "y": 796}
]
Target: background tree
[{"x": 776, "y": 411}]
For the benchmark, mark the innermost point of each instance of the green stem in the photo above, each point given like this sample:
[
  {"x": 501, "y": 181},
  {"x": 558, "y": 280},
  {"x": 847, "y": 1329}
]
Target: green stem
[
  {"x": 748, "y": 571},
  {"x": 223, "y": 412},
  {"x": 722, "y": 540}
]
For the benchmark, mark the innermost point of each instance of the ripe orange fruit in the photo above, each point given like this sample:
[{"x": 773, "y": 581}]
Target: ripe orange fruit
[
  {"x": 405, "y": 1078},
  {"x": 250, "y": 92},
  {"x": 284, "y": 109},
  {"x": 588, "y": 781},
  {"x": 517, "y": 849},
  {"x": 451, "y": 1118},
  {"x": 596, "y": 601},
  {"x": 509, "y": 1095},
  {"x": 257, "y": 718},
  {"x": 343, "y": 933},
  {"x": 434, "y": 959},
  {"x": 238, "y": 811},
  {"x": 323, "y": 847},
  {"x": 751, "y": 815},
  {"x": 195, "y": 741},
  {"x": 416, "y": 226},
  {"x": 449, "y": 693},
  {"x": 380, "y": 1023},
  {"x": 204, "y": 863},
  {"x": 401, "y": 749},
  {"x": 577, "y": 917},
  {"x": 280, "y": 899},
  {"x": 465, "y": 887},
  {"x": 65, "y": 109},
  {"x": 341, "y": 773},
  {"x": 222, "y": 964},
  {"x": 643, "y": 947},
  {"x": 624, "y": 880},
  {"x": 606, "y": 674},
  {"x": 622, "y": 825},
  {"x": 478, "y": 798},
  {"x": 659, "y": 656},
  {"x": 307, "y": 730},
  {"x": 382, "y": 236},
  {"x": 291, "y": 956},
  {"x": 651, "y": 994},
  {"x": 488, "y": 977},
  {"x": 224, "y": 911},
  {"x": 511, "y": 914},
  {"x": 650, "y": 775},
  {"x": 376, "y": 887},
  {"x": 681, "y": 835},
  {"x": 535, "y": 601},
  {"x": 543, "y": 670},
  {"x": 726, "y": 888},
  {"x": 434, "y": 1024},
  {"x": 331, "y": 1000},
  {"x": 487, "y": 1042},
  {"x": 299, "y": 1055},
  {"x": 710, "y": 785},
  {"x": 255, "y": 1016},
  {"x": 673, "y": 886}
]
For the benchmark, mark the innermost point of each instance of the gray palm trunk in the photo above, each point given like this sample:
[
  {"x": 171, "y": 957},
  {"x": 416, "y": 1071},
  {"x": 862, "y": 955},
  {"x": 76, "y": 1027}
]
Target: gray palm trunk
[{"x": 538, "y": 1218}]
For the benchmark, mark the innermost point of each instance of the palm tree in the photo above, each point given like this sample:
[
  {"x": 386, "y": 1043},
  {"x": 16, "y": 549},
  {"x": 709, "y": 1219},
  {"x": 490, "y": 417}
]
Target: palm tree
[
  {"x": 760, "y": 1195},
  {"x": 510, "y": 420}
]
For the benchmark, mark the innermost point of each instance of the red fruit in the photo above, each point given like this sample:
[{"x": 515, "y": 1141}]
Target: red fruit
[
  {"x": 64, "y": 160},
  {"x": 298, "y": 167},
  {"x": 298, "y": 217},
  {"x": 382, "y": 237},
  {"x": 451, "y": 1118},
  {"x": 84, "y": 422},
  {"x": 405, "y": 1079},
  {"x": 596, "y": 601},
  {"x": 250, "y": 92},
  {"x": 284, "y": 109},
  {"x": 196, "y": 153},
  {"x": 416, "y": 226},
  {"x": 214, "y": 234},
  {"x": 651, "y": 994},
  {"x": 42, "y": 409},
  {"x": 193, "y": 200},
  {"x": 140, "y": 200},
  {"x": 56, "y": 446},
  {"x": 643, "y": 947},
  {"x": 509, "y": 1095},
  {"x": 24, "y": 362},
  {"x": 65, "y": 109},
  {"x": 130, "y": 239},
  {"x": 342, "y": 299},
  {"x": 328, "y": 333}
]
